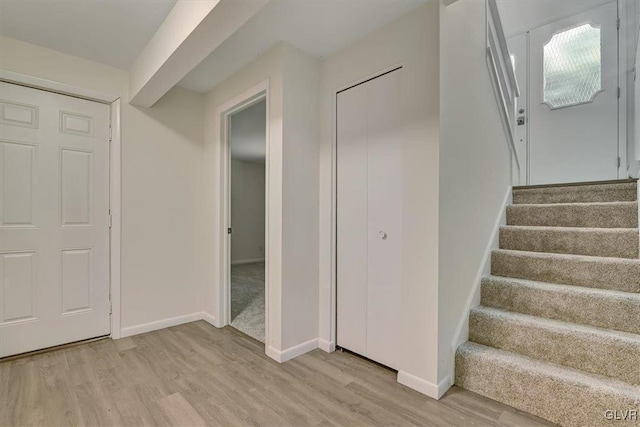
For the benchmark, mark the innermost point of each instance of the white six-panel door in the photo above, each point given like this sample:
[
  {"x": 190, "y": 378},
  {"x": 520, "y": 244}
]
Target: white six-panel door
[
  {"x": 54, "y": 232},
  {"x": 369, "y": 218}
]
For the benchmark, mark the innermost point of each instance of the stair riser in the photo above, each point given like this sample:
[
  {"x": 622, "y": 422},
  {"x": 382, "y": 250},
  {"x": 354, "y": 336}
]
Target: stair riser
[
  {"x": 614, "y": 311},
  {"x": 561, "y": 402},
  {"x": 603, "y": 273},
  {"x": 626, "y": 192},
  {"x": 600, "y": 354},
  {"x": 623, "y": 215},
  {"x": 620, "y": 243}
]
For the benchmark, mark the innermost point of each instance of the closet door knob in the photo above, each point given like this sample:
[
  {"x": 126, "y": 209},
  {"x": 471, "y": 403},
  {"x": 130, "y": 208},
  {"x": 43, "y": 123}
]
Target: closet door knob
[{"x": 382, "y": 235}]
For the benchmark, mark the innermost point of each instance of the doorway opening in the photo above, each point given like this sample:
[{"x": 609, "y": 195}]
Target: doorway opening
[{"x": 246, "y": 139}]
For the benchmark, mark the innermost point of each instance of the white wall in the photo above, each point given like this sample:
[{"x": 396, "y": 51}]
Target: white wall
[
  {"x": 300, "y": 186},
  {"x": 161, "y": 158},
  {"x": 413, "y": 42},
  {"x": 247, "y": 210},
  {"x": 292, "y": 193},
  {"x": 475, "y": 167}
]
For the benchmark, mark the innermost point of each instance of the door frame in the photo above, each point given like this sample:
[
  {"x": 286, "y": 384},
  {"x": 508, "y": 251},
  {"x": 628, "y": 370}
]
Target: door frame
[
  {"x": 245, "y": 100},
  {"x": 115, "y": 170},
  {"x": 622, "y": 133},
  {"x": 333, "y": 301}
]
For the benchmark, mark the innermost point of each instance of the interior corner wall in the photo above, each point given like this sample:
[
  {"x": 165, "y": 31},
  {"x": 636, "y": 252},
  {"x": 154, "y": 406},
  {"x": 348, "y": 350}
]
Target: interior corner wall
[
  {"x": 300, "y": 198},
  {"x": 247, "y": 210},
  {"x": 161, "y": 152},
  {"x": 475, "y": 166},
  {"x": 413, "y": 42},
  {"x": 292, "y": 192}
]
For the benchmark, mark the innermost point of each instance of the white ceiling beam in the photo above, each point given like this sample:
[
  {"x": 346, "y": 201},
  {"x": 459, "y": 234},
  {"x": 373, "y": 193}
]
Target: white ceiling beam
[
  {"x": 191, "y": 31},
  {"x": 448, "y": 2}
]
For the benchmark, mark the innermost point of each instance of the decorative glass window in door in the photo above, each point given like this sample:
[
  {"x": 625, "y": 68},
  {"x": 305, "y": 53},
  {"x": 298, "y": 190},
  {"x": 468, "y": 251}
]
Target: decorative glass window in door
[{"x": 572, "y": 67}]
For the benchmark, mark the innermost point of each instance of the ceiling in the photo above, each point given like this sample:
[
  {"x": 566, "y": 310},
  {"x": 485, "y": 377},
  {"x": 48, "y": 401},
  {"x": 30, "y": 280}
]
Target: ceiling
[
  {"x": 111, "y": 32},
  {"x": 248, "y": 133},
  {"x": 114, "y": 32},
  {"x": 319, "y": 27},
  {"x": 518, "y": 16}
]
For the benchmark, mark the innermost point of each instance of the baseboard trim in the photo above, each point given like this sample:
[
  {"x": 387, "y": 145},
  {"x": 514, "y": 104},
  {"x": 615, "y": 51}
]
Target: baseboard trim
[
  {"x": 434, "y": 391},
  {"x": 210, "y": 319},
  {"x": 166, "y": 323},
  {"x": 291, "y": 352},
  {"x": 327, "y": 346},
  {"x": 247, "y": 261}
]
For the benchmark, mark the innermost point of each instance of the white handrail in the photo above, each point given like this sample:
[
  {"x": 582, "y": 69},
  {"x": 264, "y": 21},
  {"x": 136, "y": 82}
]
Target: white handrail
[
  {"x": 502, "y": 44},
  {"x": 502, "y": 74}
]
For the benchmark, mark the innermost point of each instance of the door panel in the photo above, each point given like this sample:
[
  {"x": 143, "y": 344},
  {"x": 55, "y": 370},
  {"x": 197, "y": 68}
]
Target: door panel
[
  {"x": 369, "y": 220},
  {"x": 352, "y": 231},
  {"x": 54, "y": 235},
  {"x": 574, "y": 98},
  {"x": 384, "y": 216}
]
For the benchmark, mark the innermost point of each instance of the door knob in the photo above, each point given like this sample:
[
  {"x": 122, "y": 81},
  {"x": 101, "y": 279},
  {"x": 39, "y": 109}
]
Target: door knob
[{"x": 382, "y": 235}]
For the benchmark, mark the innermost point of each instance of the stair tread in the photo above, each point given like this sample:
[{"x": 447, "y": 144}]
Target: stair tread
[
  {"x": 556, "y": 287},
  {"x": 577, "y": 184},
  {"x": 570, "y": 204},
  {"x": 586, "y": 258},
  {"x": 556, "y": 325},
  {"x": 571, "y": 229},
  {"x": 566, "y": 374}
]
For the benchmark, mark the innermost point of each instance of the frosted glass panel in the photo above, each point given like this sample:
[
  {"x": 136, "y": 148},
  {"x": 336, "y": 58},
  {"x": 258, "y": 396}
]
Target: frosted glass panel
[{"x": 572, "y": 66}]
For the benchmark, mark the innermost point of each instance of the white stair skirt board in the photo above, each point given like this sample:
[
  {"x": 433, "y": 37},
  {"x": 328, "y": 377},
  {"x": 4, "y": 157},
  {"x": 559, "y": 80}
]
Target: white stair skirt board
[
  {"x": 167, "y": 323},
  {"x": 292, "y": 352},
  {"x": 434, "y": 391},
  {"x": 247, "y": 261},
  {"x": 327, "y": 346},
  {"x": 462, "y": 331}
]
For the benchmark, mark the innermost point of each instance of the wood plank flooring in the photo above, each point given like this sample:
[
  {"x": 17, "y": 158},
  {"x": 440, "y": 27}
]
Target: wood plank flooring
[{"x": 197, "y": 375}]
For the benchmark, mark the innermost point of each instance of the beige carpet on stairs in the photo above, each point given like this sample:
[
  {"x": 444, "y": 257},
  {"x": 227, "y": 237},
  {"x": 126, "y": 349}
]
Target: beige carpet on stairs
[{"x": 557, "y": 333}]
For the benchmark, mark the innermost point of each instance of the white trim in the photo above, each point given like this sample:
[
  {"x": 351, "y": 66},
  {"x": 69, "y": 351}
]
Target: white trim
[
  {"x": 247, "y": 261},
  {"x": 292, "y": 352},
  {"x": 167, "y": 323},
  {"x": 51, "y": 86},
  {"x": 115, "y": 174},
  {"x": 238, "y": 103},
  {"x": 434, "y": 391},
  {"x": 623, "y": 145},
  {"x": 327, "y": 346},
  {"x": 210, "y": 319},
  {"x": 462, "y": 330},
  {"x": 333, "y": 324},
  {"x": 115, "y": 204}
]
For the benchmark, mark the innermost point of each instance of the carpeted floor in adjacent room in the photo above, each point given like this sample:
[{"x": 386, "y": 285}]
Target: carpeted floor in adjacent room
[{"x": 247, "y": 299}]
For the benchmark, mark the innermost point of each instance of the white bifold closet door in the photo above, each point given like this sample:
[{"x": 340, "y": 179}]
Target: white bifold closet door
[
  {"x": 369, "y": 218},
  {"x": 54, "y": 211}
]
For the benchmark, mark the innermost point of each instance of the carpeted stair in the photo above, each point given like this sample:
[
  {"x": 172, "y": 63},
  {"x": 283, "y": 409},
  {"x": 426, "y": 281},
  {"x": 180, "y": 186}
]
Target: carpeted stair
[{"x": 557, "y": 333}]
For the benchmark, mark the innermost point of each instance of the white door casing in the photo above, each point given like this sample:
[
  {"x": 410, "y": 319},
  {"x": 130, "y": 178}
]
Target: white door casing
[
  {"x": 575, "y": 141},
  {"x": 518, "y": 48},
  {"x": 369, "y": 218},
  {"x": 54, "y": 210}
]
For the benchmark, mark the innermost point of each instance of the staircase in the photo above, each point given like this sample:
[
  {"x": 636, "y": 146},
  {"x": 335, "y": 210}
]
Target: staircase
[{"x": 557, "y": 333}]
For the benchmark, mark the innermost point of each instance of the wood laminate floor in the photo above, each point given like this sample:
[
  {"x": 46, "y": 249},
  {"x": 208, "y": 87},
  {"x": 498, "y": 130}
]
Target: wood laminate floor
[{"x": 196, "y": 375}]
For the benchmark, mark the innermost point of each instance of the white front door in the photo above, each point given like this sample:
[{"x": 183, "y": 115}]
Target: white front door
[
  {"x": 369, "y": 218},
  {"x": 573, "y": 98},
  {"x": 54, "y": 232}
]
